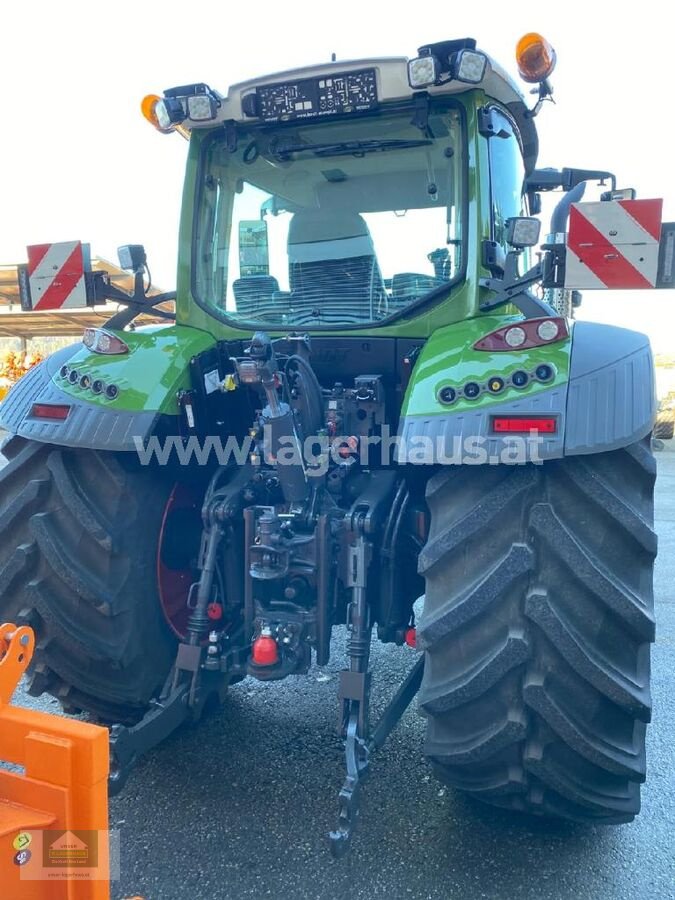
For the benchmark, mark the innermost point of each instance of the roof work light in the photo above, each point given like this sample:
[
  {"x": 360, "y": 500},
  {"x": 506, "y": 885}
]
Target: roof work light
[
  {"x": 447, "y": 61},
  {"x": 196, "y": 102}
]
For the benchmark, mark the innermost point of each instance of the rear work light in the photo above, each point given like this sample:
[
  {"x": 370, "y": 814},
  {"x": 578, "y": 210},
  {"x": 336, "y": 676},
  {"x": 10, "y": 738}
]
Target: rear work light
[
  {"x": 525, "y": 334},
  {"x": 98, "y": 340},
  {"x": 56, "y": 411},
  {"x": 524, "y": 424}
]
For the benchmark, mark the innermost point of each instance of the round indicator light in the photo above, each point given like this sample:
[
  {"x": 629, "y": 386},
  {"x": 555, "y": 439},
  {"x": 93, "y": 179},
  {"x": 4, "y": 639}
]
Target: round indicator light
[
  {"x": 547, "y": 330},
  {"x": 471, "y": 390},
  {"x": 495, "y": 385},
  {"x": 85, "y": 381},
  {"x": 112, "y": 391},
  {"x": 519, "y": 379},
  {"x": 97, "y": 386},
  {"x": 73, "y": 376},
  {"x": 447, "y": 395},
  {"x": 63, "y": 371},
  {"x": 544, "y": 372},
  {"x": 515, "y": 337}
]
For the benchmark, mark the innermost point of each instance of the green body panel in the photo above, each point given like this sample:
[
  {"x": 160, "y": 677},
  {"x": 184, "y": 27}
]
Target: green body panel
[
  {"x": 148, "y": 377},
  {"x": 462, "y": 301},
  {"x": 448, "y": 359}
]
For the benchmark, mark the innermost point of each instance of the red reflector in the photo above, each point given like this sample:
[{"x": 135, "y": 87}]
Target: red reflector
[
  {"x": 214, "y": 611},
  {"x": 411, "y": 637},
  {"x": 524, "y": 424},
  {"x": 265, "y": 651},
  {"x": 57, "y": 411}
]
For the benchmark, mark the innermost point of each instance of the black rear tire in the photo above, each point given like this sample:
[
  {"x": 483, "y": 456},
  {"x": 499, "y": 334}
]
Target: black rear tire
[
  {"x": 537, "y": 626},
  {"x": 79, "y": 531}
]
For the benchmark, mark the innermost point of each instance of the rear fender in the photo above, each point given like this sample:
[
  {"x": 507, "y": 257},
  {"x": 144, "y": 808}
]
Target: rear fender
[
  {"x": 601, "y": 395},
  {"x": 148, "y": 379}
]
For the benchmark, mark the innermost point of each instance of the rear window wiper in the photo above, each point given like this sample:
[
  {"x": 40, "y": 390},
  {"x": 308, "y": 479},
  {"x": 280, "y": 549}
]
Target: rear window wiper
[{"x": 342, "y": 148}]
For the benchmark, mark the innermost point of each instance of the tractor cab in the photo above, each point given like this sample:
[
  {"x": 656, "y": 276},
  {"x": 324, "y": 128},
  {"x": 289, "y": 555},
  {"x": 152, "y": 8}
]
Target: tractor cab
[{"x": 337, "y": 196}]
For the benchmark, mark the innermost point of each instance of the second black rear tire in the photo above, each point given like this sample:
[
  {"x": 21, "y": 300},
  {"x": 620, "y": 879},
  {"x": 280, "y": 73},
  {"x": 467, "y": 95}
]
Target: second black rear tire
[{"x": 537, "y": 626}]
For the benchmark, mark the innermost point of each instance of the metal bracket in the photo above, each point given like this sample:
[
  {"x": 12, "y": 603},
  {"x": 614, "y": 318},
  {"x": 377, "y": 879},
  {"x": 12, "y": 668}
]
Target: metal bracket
[
  {"x": 358, "y": 752},
  {"x": 513, "y": 288},
  {"x": 550, "y": 179},
  {"x": 355, "y": 684},
  {"x": 128, "y": 744},
  {"x": 231, "y": 141},
  {"x": 357, "y": 761},
  {"x": 488, "y": 123},
  {"x": 420, "y": 117},
  {"x": 17, "y": 643}
]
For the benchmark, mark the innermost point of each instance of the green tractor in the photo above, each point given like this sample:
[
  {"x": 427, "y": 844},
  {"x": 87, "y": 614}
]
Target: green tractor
[{"x": 372, "y": 393}]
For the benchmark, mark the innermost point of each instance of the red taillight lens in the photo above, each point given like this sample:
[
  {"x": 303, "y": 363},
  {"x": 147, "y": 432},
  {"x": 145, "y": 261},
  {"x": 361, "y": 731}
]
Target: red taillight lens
[
  {"x": 524, "y": 424},
  {"x": 525, "y": 334},
  {"x": 99, "y": 340},
  {"x": 58, "y": 411}
]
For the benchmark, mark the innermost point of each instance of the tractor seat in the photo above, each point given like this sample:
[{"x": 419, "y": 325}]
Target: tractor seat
[
  {"x": 333, "y": 271},
  {"x": 257, "y": 296}
]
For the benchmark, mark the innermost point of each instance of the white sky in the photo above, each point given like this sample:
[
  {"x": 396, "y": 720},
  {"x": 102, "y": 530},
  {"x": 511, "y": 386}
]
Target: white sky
[{"x": 78, "y": 161}]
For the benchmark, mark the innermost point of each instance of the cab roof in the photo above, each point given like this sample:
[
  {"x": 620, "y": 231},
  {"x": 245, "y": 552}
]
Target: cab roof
[{"x": 391, "y": 75}]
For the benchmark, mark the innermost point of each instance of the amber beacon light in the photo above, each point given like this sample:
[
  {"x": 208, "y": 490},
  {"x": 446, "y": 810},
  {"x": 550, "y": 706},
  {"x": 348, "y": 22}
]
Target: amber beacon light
[
  {"x": 148, "y": 108},
  {"x": 535, "y": 57}
]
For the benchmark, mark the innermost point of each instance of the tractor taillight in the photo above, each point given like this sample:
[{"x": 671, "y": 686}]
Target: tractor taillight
[
  {"x": 524, "y": 424},
  {"x": 57, "y": 411},
  {"x": 98, "y": 340},
  {"x": 525, "y": 334}
]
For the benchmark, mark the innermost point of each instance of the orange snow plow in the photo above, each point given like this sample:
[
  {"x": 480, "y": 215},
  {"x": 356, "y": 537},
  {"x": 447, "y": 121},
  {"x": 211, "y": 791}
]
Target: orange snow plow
[{"x": 54, "y": 812}]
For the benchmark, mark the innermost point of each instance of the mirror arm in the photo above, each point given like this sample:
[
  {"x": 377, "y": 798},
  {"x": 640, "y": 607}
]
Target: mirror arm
[{"x": 513, "y": 288}]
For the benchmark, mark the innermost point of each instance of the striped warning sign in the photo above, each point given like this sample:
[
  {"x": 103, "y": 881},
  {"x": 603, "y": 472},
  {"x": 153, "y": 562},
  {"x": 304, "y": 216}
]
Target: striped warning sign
[
  {"x": 56, "y": 275},
  {"x": 613, "y": 244}
]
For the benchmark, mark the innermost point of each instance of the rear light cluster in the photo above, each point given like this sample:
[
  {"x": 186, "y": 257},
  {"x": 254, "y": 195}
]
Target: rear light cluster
[
  {"x": 525, "y": 334},
  {"x": 98, "y": 340},
  {"x": 496, "y": 384},
  {"x": 87, "y": 383}
]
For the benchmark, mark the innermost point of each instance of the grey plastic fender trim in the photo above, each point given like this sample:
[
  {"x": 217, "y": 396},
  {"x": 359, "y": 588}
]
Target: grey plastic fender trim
[
  {"x": 611, "y": 400},
  {"x": 465, "y": 438},
  {"x": 87, "y": 425}
]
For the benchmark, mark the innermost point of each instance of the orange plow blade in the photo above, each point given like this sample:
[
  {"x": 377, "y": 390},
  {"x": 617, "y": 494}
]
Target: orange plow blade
[{"x": 54, "y": 813}]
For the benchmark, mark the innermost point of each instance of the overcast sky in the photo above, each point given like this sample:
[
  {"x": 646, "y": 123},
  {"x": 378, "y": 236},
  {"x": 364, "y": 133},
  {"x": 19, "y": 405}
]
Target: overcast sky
[{"x": 79, "y": 162}]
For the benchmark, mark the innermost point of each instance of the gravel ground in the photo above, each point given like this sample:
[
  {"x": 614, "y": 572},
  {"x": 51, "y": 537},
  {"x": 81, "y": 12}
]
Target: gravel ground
[{"x": 239, "y": 806}]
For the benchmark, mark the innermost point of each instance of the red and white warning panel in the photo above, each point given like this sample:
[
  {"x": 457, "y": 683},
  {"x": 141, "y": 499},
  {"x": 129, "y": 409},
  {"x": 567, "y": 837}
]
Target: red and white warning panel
[
  {"x": 613, "y": 244},
  {"x": 56, "y": 276}
]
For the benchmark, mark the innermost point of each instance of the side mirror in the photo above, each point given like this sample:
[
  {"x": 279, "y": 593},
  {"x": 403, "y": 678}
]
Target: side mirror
[
  {"x": 132, "y": 257},
  {"x": 522, "y": 231},
  {"x": 253, "y": 248}
]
